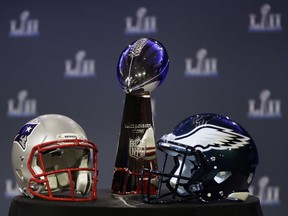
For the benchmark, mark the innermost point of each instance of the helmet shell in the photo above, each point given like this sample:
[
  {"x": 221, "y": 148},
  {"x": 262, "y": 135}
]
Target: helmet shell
[{"x": 44, "y": 129}]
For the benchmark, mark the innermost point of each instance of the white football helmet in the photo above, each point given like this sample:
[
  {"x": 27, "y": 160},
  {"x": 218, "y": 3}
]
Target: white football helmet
[{"x": 53, "y": 159}]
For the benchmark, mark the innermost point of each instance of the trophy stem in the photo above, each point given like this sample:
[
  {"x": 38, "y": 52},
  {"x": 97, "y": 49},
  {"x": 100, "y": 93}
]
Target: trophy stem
[{"x": 136, "y": 147}]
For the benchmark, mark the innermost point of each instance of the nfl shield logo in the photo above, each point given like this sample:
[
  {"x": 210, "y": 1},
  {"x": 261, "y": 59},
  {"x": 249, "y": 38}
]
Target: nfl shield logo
[{"x": 137, "y": 148}]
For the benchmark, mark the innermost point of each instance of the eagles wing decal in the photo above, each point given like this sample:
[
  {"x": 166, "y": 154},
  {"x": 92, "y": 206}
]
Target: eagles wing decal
[{"x": 206, "y": 137}]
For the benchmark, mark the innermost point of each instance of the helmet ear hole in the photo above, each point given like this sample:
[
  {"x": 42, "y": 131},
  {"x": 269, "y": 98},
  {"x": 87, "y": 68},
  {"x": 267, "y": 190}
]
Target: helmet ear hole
[{"x": 222, "y": 176}]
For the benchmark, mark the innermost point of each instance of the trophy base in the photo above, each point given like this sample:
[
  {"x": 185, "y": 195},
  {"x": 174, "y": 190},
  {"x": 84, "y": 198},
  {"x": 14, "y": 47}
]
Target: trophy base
[{"x": 126, "y": 182}]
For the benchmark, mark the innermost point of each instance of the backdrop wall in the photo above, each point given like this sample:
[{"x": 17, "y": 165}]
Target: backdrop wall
[{"x": 227, "y": 57}]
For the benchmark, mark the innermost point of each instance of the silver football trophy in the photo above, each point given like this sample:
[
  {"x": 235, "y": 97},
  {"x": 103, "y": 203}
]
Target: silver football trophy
[{"x": 141, "y": 68}]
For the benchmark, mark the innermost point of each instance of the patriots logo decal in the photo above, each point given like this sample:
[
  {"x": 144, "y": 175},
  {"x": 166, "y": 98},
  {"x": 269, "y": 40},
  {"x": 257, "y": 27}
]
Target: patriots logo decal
[
  {"x": 207, "y": 136},
  {"x": 22, "y": 137}
]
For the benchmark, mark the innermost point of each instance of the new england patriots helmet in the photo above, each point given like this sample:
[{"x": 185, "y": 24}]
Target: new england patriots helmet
[{"x": 53, "y": 159}]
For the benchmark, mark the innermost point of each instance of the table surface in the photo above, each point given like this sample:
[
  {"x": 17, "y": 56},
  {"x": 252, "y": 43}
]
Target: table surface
[{"x": 113, "y": 203}]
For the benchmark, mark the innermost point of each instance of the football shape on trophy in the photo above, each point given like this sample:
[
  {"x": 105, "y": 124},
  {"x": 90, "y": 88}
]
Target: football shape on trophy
[{"x": 143, "y": 66}]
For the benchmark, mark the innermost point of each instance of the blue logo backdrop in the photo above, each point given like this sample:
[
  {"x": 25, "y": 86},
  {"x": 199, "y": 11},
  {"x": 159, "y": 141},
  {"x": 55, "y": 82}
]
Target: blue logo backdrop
[{"x": 227, "y": 57}]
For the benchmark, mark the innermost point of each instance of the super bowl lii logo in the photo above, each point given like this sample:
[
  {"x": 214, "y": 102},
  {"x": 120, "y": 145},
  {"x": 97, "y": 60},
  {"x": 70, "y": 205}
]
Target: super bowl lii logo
[
  {"x": 11, "y": 188},
  {"x": 22, "y": 105},
  {"x": 267, "y": 194},
  {"x": 141, "y": 23},
  {"x": 153, "y": 107},
  {"x": 80, "y": 66},
  {"x": 265, "y": 21},
  {"x": 202, "y": 65},
  {"x": 265, "y": 107},
  {"x": 24, "y": 26}
]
